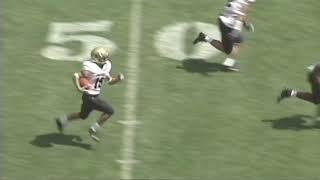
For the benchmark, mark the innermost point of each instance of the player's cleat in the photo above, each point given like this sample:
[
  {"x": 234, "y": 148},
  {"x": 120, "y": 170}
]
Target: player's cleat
[
  {"x": 285, "y": 93},
  {"x": 59, "y": 125},
  {"x": 235, "y": 67},
  {"x": 93, "y": 134},
  {"x": 200, "y": 38},
  {"x": 232, "y": 65}
]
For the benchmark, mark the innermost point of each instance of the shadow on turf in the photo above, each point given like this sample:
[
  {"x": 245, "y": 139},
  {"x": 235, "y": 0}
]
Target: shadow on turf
[
  {"x": 202, "y": 66},
  {"x": 295, "y": 122},
  {"x": 48, "y": 140}
]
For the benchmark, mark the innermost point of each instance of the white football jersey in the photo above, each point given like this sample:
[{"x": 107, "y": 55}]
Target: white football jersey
[
  {"x": 230, "y": 14},
  {"x": 232, "y": 23},
  {"x": 99, "y": 75},
  {"x": 244, "y": 2},
  {"x": 233, "y": 9}
]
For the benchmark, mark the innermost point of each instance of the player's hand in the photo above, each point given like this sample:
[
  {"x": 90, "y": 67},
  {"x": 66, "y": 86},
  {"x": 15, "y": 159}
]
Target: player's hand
[
  {"x": 84, "y": 89},
  {"x": 120, "y": 76},
  {"x": 249, "y": 27},
  {"x": 117, "y": 79},
  {"x": 81, "y": 90}
]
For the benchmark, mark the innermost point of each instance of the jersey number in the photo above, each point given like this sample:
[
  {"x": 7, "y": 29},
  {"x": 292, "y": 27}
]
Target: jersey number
[{"x": 99, "y": 82}]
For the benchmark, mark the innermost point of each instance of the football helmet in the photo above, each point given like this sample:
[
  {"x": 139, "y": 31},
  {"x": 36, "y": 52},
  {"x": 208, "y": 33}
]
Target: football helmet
[{"x": 100, "y": 55}]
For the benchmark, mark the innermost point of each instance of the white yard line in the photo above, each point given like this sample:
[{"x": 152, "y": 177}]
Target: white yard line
[{"x": 130, "y": 119}]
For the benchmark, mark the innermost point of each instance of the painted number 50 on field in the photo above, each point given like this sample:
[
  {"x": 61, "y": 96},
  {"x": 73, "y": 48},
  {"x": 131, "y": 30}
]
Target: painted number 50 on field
[
  {"x": 169, "y": 41},
  {"x": 61, "y": 33}
]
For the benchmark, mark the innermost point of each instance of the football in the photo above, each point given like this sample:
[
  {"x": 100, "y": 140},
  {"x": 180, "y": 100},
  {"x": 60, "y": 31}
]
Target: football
[{"x": 85, "y": 83}]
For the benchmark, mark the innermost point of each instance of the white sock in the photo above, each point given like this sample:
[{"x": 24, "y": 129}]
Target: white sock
[
  {"x": 208, "y": 39},
  {"x": 95, "y": 127},
  {"x": 64, "y": 120},
  {"x": 293, "y": 93}
]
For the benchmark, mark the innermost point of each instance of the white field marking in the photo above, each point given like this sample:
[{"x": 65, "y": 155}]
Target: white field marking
[
  {"x": 63, "y": 32},
  {"x": 170, "y": 41},
  {"x": 129, "y": 122},
  {"x": 128, "y": 137}
]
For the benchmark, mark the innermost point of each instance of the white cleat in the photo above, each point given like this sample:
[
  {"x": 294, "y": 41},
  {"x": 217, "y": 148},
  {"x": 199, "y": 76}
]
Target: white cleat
[
  {"x": 93, "y": 134},
  {"x": 231, "y": 64}
]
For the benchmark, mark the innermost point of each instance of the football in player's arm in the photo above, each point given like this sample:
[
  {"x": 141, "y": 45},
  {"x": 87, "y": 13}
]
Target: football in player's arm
[
  {"x": 89, "y": 81},
  {"x": 88, "y": 75}
]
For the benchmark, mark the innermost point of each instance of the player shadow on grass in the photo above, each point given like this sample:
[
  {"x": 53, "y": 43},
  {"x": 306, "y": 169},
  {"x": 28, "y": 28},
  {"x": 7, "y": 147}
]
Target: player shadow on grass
[
  {"x": 202, "y": 66},
  {"x": 295, "y": 122},
  {"x": 48, "y": 140}
]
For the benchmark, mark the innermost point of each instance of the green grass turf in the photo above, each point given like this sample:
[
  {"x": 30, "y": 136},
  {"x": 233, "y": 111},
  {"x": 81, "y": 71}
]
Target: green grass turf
[{"x": 196, "y": 123}]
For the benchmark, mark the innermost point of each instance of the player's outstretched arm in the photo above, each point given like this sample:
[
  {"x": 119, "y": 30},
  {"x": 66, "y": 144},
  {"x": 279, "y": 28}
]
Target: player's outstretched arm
[{"x": 117, "y": 79}]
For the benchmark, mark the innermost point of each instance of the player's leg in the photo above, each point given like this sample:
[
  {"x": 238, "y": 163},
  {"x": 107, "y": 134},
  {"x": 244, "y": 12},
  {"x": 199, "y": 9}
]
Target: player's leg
[
  {"x": 205, "y": 38},
  {"x": 232, "y": 46},
  {"x": 107, "y": 111},
  {"x": 314, "y": 80},
  {"x": 86, "y": 108},
  {"x": 306, "y": 96},
  {"x": 314, "y": 96},
  {"x": 63, "y": 120},
  {"x": 202, "y": 37}
]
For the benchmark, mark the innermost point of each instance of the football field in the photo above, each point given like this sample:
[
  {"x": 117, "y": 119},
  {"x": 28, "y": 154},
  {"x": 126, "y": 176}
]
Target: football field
[{"x": 178, "y": 114}]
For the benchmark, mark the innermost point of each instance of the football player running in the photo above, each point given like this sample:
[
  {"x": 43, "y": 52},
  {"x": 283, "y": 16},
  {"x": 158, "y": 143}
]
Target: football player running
[
  {"x": 230, "y": 22},
  {"x": 313, "y": 96},
  {"x": 96, "y": 70}
]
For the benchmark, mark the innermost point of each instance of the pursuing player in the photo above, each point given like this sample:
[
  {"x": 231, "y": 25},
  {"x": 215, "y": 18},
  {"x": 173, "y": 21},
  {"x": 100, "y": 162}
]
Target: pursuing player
[
  {"x": 96, "y": 70},
  {"x": 313, "y": 96},
  {"x": 230, "y": 23}
]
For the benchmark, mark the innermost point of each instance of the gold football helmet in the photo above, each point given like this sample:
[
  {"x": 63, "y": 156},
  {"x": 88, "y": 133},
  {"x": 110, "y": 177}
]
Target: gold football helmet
[{"x": 100, "y": 55}]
